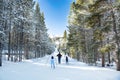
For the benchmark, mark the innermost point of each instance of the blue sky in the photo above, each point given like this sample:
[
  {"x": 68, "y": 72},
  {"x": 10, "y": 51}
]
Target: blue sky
[{"x": 56, "y": 15}]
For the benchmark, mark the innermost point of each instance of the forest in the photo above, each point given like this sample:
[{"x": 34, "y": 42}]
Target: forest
[
  {"x": 94, "y": 32},
  {"x": 23, "y": 33}
]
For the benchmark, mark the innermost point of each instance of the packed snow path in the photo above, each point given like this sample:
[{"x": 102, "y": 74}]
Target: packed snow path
[{"x": 39, "y": 69}]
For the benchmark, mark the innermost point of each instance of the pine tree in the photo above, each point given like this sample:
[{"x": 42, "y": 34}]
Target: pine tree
[
  {"x": 77, "y": 16},
  {"x": 114, "y": 10},
  {"x": 42, "y": 44}
]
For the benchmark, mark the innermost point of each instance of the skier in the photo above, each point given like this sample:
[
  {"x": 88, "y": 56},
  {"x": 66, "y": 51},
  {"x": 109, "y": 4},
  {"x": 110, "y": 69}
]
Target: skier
[
  {"x": 52, "y": 62},
  {"x": 66, "y": 59},
  {"x": 59, "y": 58}
]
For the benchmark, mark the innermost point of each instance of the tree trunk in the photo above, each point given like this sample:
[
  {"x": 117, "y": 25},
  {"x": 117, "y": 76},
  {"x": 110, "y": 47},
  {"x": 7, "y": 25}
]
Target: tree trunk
[
  {"x": 109, "y": 58},
  {"x": 101, "y": 43},
  {"x": 12, "y": 53},
  {"x": 78, "y": 56},
  {"x": 108, "y": 52},
  {"x": 0, "y": 54},
  {"x": 0, "y": 58},
  {"x": 26, "y": 49},
  {"x": 103, "y": 60},
  {"x": 118, "y": 58},
  {"x": 9, "y": 46},
  {"x": 116, "y": 40}
]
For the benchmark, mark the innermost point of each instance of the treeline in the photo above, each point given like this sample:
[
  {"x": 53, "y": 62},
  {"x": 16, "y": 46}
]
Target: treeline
[
  {"x": 23, "y": 31},
  {"x": 94, "y": 31}
]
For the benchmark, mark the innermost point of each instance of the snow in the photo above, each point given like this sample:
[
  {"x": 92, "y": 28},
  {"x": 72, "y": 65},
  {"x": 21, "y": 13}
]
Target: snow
[{"x": 39, "y": 69}]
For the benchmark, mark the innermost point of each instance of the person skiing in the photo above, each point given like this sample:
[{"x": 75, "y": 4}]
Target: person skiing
[
  {"x": 52, "y": 62},
  {"x": 59, "y": 58},
  {"x": 66, "y": 59}
]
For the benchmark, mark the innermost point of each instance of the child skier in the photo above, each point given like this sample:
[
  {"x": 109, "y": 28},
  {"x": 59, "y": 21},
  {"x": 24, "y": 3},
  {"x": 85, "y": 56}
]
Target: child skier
[{"x": 52, "y": 62}]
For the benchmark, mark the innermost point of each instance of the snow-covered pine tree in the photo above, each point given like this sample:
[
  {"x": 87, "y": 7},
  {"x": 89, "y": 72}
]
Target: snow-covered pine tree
[
  {"x": 37, "y": 24},
  {"x": 42, "y": 41},
  {"x": 77, "y": 38}
]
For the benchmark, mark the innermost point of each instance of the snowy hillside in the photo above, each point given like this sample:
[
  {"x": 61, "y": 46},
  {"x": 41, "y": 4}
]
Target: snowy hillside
[{"x": 39, "y": 69}]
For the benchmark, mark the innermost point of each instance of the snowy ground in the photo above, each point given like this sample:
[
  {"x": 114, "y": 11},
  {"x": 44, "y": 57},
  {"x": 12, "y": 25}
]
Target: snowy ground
[{"x": 39, "y": 69}]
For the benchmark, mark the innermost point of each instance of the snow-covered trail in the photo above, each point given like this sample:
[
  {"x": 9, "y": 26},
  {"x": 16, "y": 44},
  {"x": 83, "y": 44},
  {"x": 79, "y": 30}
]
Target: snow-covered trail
[{"x": 40, "y": 70}]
